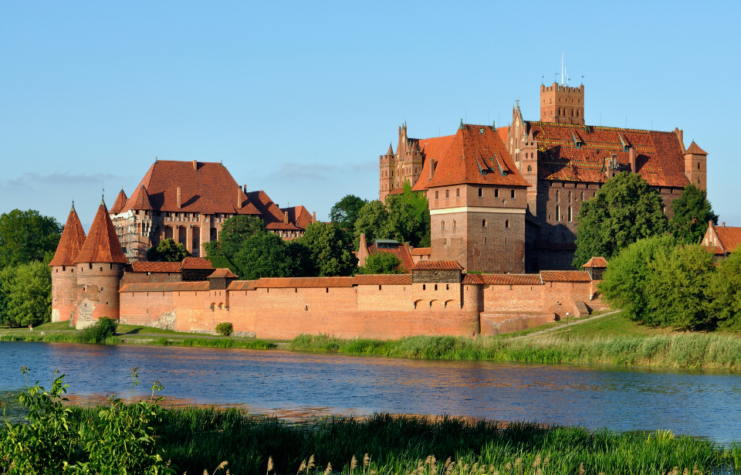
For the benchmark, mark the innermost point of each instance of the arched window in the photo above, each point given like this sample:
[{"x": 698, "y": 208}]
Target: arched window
[
  {"x": 442, "y": 224},
  {"x": 569, "y": 197},
  {"x": 558, "y": 195},
  {"x": 529, "y": 168},
  {"x": 698, "y": 166},
  {"x": 570, "y": 214},
  {"x": 447, "y": 194},
  {"x": 457, "y": 192},
  {"x": 453, "y": 224},
  {"x": 558, "y": 213},
  {"x": 436, "y": 194},
  {"x": 483, "y": 223}
]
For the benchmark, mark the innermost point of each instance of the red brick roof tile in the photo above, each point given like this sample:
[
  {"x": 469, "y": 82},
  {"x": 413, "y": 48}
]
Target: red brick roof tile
[
  {"x": 473, "y": 148},
  {"x": 282, "y": 226},
  {"x": 599, "y": 262},
  {"x": 196, "y": 263},
  {"x": 565, "y": 276},
  {"x": 71, "y": 242},
  {"x": 166, "y": 287},
  {"x": 299, "y": 216},
  {"x": 303, "y": 282},
  {"x": 120, "y": 202},
  {"x": 269, "y": 211},
  {"x": 242, "y": 285},
  {"x": 437, "y": 265},
  {"x": 101, "y": 245},
  {"x": 422, "y": 251},
  {"x": 156, "y": 267},
  {"x": 140, "y": 200},
  {"x": 730, "y": 238},
  {"x": 502, "y": 279},
  {"x": 222, "y": 274},
  {"x": 402, "y": 252},
  {"x": 382, "y": 279},
  {"x": 695, "y": 149}
]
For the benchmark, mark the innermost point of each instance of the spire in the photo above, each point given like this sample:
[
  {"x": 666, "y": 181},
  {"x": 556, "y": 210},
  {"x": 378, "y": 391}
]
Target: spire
[
  {"x": 71, "y": 242},
  {"x": 695, "y": 149},
  {"x": 120, "y": 202},
  {"x": 140, "y": 199},
  {"x": 391, "y": 150},
  {"x": 461, "y": 127},
  {"x": 101, "y": 245}
]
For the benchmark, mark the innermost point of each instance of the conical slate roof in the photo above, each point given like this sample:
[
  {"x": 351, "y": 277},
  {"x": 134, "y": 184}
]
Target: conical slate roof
[
  {"x": 120, "y": 202},
  {"x": 102, "y": 243},
  {"x": 71, "y": 242}
]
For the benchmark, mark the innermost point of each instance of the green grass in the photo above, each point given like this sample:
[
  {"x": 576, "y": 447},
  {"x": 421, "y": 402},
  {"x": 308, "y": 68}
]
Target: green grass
[
  {"x": 224, "y": 343},
  {"x": 137, "y": 329},
  {"x": 607, "y": 341},
  {"x": 56, "y": 338},
  {"x": 41, "y": 328},
  {"x": 198, "y": 439}
]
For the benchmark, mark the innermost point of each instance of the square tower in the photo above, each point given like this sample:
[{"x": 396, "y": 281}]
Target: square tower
[{"x": 562, "y": 104}]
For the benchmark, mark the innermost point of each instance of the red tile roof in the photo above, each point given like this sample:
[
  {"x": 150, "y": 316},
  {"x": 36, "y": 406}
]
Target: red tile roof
[
  {"x": 565, "y": 276},
  {"x": 474, "y": 148},
  {"x": 695, "y": 149},
  {"x": 269, "y": 211},
  {"x": 299, "y": 216},
  {"x": 383, "y": 279},
  {"x": 140, "y": 200},
  {"x": 101, "y": 245},
  {"x": 166, "y": 287},
  {"x": 303, "y": 282},
  {"x": 282, "y": 226},
  {"x": 196, "y": 263},
  {"x": 402, "y": 252},
  {"x": 503, "y": 279},
  {"x": 223, "y": 274},
  {"x": 659, "y": 158},
  {"x": 120, "y": 202},
  {"x": 156, "y": 267},
  {"x": 209, "y": 189},
  {"x": 437, "y": 265},
  {"x": 730, "y": 238},
  {"x": 71, "y": 242},
  {"x": 242, "y": 285},
  {"x": 596, "y": 262},
  {"x": 422, "y": 251}
]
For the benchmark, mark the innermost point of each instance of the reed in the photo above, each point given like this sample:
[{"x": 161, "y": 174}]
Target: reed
[
  {"x": 686, "y": 351},
  {"x": 214, "y": 343}
]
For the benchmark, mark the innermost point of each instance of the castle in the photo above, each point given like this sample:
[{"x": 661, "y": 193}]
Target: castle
[
  {"x": 506, "y": 199},
  {"x": 188, "y": 202}
]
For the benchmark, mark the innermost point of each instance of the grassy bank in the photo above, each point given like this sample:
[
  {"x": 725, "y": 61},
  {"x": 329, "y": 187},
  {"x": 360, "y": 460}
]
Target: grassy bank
[
  {"x": 79, "y": 337},
  {"x": 585, "y": 344}
]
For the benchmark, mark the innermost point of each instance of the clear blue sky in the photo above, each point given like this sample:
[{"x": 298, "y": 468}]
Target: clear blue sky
[{"x": 300, "y": 99}]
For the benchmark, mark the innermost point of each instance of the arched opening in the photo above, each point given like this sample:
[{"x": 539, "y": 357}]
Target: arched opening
[
  {"x": 483, "y": 223},
  {"x": 453, "y": 224},
  {"x": 570, "y": 214},
  {"x": 529, "y": 168},
  {"x": 442, "y": 224},
  {"x": 558, "y": 213},
  {"x": 457, "y": 192}
]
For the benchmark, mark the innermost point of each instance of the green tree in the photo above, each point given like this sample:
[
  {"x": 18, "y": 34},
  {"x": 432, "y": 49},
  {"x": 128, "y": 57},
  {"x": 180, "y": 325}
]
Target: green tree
[
  {"x": 329, "y": 250},
  {"x": 167, "y": 251},
  {"x": 678, "y": 288},
  {"x": 346, "y": 211},
  {"x": 624, "y": 210},
  {"x": 625, "y": 283},
  {"x": 725, "y": 292},
  {"x": 692, "y": 213},
  {"x": 235, "y": 230},
  {"x": 382, "y": 263},
  {"x": 263, "y": 254},
  {"x": 371, "y": 221},
  {"x": 25, "y": 294},
  {"x": 27, "y": 236}
]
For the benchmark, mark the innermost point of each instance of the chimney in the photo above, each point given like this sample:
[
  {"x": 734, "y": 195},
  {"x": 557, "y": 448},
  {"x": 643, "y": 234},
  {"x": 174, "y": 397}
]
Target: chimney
[
  {"x": 313, "y": 217},
  {"x": 179, "y": 198},
  {"x": 244, "y": 187},
  {"x": 432, "y": 168},
  {"x": 632, "y": 155},
  {"x": 285, "y": 217},
  {"x": 239, "y": 198},
  {"x": 723, "y": 224},
  {"x": 195, "y": 166}
]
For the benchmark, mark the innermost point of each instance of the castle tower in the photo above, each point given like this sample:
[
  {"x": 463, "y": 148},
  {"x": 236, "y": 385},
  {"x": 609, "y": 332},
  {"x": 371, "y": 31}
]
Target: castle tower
[
  {"x": 99, "y": 267},
  {"x": 562, "y": 104},
  {"x": 120, "y": 202},
  {"x": 529, "y": 170},
  {"x": 386, "y": 169},
  {"x": 695, "y": 166},
  {"x": 63, "y": 277}
]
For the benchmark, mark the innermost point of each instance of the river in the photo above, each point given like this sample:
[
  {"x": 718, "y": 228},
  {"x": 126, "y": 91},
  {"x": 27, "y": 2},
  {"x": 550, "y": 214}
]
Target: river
[{"x": 297, "y": 386}]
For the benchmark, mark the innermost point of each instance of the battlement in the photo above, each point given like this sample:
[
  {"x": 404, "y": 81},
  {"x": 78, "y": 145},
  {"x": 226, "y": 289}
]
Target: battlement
[
  {"x": 560, "y": 88},
  {"x": 562, "y": 104}
]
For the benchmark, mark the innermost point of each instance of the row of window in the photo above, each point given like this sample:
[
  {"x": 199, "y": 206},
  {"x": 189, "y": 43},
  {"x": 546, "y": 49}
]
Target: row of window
[
  {"x": 484, "y": 224},
  {"x": 481, "y": 193},
  {"x": 558, "y": 196}
]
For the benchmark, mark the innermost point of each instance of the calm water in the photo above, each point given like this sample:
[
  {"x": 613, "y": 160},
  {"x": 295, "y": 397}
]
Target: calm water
[{"x": 299, "y": 385}]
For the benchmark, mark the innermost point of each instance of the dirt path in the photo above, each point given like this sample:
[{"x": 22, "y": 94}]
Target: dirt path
[{"x": 562, "y": 327}]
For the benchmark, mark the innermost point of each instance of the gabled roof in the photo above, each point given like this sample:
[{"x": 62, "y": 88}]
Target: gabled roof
[
  {"x": 101, "y": 245},
  {"x": 437, "y": 265},
  {"x": 695, "y": 149},
  {"x": 299, "y": 216},
  {"x": 599, "y": 262},
  {"x": 120, "y": 202},
  {"x": 730, "y": 238},
  {"x": 196, "y": 263},
  {"x": 476, "y": 155},
  {"x": 71, "y": 242},
  {"x": 422, "y": 251},
  {"x": 206, "y": 188},
  {"x": 223, "y": 274},
  {"x": 269, "y": 211},
  {"x": 401, "y": 251},
  {"x": 140, "y": 200},
  {"x": 659, "y": 157}
]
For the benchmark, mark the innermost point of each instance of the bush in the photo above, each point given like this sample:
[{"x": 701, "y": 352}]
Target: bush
[
  {"x": 225, "y": 328},
  {"x": 104, "y": 328}
]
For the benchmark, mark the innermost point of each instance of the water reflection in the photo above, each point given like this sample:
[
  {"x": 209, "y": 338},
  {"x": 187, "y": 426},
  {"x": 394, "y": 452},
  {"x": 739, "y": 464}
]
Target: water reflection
[{"x": 297, "y": 386}]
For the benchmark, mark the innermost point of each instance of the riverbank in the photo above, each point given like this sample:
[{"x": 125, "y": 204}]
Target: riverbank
[{"x": 609, "y": 341}]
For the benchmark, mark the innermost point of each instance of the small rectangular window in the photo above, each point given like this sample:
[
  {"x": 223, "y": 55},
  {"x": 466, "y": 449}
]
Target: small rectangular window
[
  {"x": 513, "y": 194},
  {"x": 496, "y": 193},
  {"x": 481, "y": 192}
]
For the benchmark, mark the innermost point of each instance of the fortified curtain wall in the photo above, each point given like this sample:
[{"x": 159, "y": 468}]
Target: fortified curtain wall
[{"x": 381, "y": 311}]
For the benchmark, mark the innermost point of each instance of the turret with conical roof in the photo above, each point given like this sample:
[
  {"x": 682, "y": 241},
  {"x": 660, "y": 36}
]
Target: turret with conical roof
[
  {"x": 63, "y": 277},
  {"x": 696, "y": 166},
  {"x": 120, "y": 202},
  {"x": 99, "y": 267}
]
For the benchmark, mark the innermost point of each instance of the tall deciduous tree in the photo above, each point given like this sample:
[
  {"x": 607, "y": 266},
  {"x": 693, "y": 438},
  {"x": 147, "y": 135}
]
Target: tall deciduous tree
[
  {"x": 692, "y": 213},
  {"x": 329, "y": 250},
  {"x": 624, "y": 210},
  {"x": 346, "y": 211},
  {"x": 27, "y": 236},
  {"x": 725, "y": 292},
  {"x": 167, "y": 251},
  {"x": 382, "y": 263},
  {"x": 235, "y": 230},
  {"x": 263, "y": 254},
  {"x": 25, "y": 294}
]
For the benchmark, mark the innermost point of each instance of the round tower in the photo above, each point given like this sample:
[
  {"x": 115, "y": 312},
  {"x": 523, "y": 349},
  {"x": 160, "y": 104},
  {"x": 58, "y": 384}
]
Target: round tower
[
  {"x": 63, "y": 275},
  {"x": 99, "y": 267}
]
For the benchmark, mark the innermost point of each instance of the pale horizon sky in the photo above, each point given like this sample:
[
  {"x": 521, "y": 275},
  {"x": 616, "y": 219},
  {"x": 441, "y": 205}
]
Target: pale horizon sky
[{"x": 299, "y": 99}]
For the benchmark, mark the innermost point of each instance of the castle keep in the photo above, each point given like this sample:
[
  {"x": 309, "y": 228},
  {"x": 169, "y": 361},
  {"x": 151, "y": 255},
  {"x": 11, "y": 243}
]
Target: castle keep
[{"x": 545, "y": 169}]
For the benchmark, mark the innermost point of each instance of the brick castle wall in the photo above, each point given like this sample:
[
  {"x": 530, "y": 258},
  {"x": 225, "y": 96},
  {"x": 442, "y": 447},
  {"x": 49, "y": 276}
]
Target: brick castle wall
[{"x": 64, "y": 293}]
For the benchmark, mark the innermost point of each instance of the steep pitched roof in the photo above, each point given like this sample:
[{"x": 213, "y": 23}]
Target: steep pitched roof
[
  {"x": 401, "y": 251},
  {"x": 223, "y": 274},
  {"x": 695, "y": 149},
  {"x": 140, "y": 200},
  {"x": 730, "y": 238},
  {"x": 599, "y": 262},
  {"x": 101, "y": 245},
  {"x": 196, "y": 263},
  {"x": 476, "y": 155},
  {"x": 659, "y": 158},
  {"x": 120, "y": 202},
  {"x": 299, "y": 216},
  {"x": 269, "y": 211},
  {"x": 71, "y": 242},
  {"x": 206, "y": 188}
]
